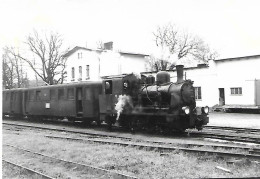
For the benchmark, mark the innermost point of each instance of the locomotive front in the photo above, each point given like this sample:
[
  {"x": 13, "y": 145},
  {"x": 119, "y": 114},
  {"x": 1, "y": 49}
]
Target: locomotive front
[{"x": 174, "y": 103}]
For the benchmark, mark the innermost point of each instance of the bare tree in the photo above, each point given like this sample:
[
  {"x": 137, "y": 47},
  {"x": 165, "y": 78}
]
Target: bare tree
[
  {"x": 13, "y": 74},
  {"x": 100, "y": 45},
  {"x": 48, "y": 55},
  {"x": 159, "y": 64},
  {"x": 182, "y": 44}
]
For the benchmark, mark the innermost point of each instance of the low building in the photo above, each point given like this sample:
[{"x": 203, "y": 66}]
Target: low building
[
  {"x": 85, "y": 64},
  {"x": 229, "y": 82}
]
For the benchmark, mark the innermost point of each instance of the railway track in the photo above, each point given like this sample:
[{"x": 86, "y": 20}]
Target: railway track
[
  {"x": 248, "y": 152},
  {"x": 94, "y": 171},
  {"x": 234, "y": 129},
  {"x": 227, "y": 137},
  {"x": 253, "y": 153},
  {"x": 208, "y": 135},
  {"x": 31, "y": 172}
]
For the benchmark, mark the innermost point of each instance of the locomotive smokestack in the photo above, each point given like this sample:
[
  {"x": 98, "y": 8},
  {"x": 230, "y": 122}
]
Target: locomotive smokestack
[{"x": 179, "y": 69}]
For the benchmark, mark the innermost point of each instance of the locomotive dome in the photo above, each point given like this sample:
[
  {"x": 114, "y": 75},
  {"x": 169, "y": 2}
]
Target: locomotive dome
[{"x": 162, "y": 77}]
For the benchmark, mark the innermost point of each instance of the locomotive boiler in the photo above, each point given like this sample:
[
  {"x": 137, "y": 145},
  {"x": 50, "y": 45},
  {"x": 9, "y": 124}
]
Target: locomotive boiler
[{"x": 131, "y": 102}]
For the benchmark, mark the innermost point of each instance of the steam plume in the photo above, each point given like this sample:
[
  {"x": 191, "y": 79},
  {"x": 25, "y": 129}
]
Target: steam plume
[{"x": 124, "y": 103}]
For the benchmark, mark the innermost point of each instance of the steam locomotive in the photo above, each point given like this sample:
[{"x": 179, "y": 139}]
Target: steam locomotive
[
  {"x": 147, "y": 103},
  {"x": 125, "y": 100}
]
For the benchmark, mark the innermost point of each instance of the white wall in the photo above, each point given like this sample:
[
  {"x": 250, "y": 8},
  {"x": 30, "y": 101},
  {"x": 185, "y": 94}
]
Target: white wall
[
  {"x": 90, "y": 58},
  {"x": 132, "y": 63},
  {"x": 239, "y": 73},
  {"x": 206, "y": 79},
  {"x": 109, "y": 63},
  {"x": 103, "y": 63}
]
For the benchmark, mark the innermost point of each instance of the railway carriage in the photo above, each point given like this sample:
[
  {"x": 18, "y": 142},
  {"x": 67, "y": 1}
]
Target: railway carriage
[{"x": 73, "y": 101}]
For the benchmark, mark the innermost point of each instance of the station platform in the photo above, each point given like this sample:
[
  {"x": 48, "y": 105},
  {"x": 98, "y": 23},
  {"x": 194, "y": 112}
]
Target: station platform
[{"x": 234, "y": 119}]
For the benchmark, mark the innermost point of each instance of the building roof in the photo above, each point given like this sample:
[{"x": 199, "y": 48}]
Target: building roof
[
  {"x": 99, "y": 50},
  {"x": 131, "y": 53},
  {"x": 237, "y": 58},
  {"x": 199, "y": 66},
  {"x": 75, "y": 49}
]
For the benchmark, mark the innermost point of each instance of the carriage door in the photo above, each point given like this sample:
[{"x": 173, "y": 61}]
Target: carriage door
[
  {"x": 79, "y": 106},
  {"x": 12, "y": 102},
  {"x": 221, "y": 96},
  {"x": 25, "y": 102},
  {"x": 257, "y": 92}
]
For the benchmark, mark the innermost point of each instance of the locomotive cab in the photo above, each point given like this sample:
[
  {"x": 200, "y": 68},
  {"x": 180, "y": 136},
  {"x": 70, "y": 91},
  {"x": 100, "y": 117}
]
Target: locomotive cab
[{"x": 115, "y": 87}]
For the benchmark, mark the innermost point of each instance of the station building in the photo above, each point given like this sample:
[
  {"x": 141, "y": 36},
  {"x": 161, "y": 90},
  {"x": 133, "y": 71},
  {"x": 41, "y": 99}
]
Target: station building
[
  {"x": 85, "y": 64},
  {"x": 227, "y": 83}
]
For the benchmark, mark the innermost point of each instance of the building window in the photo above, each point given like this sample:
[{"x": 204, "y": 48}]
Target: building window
[
  {"x": 236, "y": 91},
  {"x": 79, "y": 55},
  {"x": 72, "y": 74},
  {"x": 197, "y": 93},
  {"x": 87, "y": 72},
  {"x": 80, "y": 73}
]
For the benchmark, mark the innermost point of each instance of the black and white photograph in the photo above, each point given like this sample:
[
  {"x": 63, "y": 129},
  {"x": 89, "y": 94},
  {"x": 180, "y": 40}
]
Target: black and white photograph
[{"x": 127, "y": 89}]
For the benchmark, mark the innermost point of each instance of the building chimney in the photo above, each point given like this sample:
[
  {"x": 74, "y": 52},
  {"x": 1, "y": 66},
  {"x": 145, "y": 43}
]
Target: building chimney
[
  {"x": 108, "y": 46},
  {"x": 179, "y": 69}
]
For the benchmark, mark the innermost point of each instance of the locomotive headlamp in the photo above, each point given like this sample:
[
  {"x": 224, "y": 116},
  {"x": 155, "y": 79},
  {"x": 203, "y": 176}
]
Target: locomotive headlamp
[
  {"x": 186, "y": 109},
  {"x": 205, "y": 109}
]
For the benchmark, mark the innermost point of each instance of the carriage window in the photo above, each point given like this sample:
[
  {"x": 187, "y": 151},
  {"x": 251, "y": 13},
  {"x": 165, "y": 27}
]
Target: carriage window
[
  {"x": 38, "y": 95},
  {"x": 14, "y": 96},
  {"x": 52, "y": 94},
  {"x": 70, "y": 93},
  {"x": 197, "y": 93},
  {"x": 31, "y": 95},
  {"x": 6, "y": 96},
  {"x": 61, "y": 93},
  {"x": 89, "y": 94}
]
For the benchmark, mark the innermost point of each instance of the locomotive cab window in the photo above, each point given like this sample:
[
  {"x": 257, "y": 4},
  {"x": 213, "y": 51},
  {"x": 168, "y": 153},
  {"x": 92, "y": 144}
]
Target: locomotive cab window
[{"x": 108, "y": 87}]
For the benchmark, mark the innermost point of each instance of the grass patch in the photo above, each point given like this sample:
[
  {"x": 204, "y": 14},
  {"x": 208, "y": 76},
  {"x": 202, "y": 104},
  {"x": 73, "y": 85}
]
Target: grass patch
[{"x": 130, "y": 160}]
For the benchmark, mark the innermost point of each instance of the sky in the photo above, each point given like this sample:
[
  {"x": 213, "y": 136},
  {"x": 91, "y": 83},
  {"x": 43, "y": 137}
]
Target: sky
[{"x": 230, "y": 27}]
